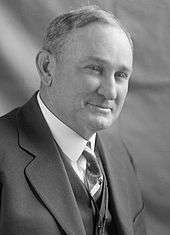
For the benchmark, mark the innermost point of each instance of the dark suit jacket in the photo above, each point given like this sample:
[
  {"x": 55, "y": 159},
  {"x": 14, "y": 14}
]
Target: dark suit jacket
[{"x": 36, "y": 196}]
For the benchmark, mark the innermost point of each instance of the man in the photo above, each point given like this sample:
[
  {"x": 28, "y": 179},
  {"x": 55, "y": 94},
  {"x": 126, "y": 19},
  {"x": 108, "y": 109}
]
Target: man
[{"x": 59, "y": 174}]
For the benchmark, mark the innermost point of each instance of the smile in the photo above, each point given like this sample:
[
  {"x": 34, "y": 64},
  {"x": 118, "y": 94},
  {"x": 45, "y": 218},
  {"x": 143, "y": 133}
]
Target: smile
[{"x": 98, "y": 108}]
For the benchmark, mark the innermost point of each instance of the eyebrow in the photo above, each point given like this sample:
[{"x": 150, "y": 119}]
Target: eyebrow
[{"x": 104, "y": 61}]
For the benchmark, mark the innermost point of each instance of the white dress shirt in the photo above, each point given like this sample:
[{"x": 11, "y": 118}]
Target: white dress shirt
[{"x": 69, "y": 141}]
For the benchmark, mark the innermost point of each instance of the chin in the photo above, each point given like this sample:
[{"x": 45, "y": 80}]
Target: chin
[{"x": 101, "y": 123}]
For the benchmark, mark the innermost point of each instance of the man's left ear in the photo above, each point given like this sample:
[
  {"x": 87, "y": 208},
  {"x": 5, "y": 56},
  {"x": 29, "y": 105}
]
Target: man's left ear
[{"x": 45, "y": 63}]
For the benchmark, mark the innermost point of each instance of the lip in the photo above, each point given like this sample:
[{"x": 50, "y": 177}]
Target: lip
[{"x": 101, "y": 108}]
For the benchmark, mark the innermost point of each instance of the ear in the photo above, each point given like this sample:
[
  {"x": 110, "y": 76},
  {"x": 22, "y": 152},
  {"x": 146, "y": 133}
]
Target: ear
[{"x": 45, "y": 64}]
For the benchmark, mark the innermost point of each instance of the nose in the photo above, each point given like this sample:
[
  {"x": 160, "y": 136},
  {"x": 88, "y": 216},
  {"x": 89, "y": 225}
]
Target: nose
[{"x": 108, "y": 88}]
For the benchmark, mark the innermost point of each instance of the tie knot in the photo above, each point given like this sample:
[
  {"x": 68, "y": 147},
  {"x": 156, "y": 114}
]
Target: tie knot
[{"x": 88, "y": 144}]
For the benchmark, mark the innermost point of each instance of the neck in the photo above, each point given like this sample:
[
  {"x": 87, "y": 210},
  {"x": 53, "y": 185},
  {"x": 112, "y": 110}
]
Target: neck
[{"x": 79, "y": 129}]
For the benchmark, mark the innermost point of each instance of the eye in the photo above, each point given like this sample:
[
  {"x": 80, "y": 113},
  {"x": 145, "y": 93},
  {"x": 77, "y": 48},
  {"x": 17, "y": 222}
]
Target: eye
[
  {"x": 97, "y": 69},
  {"x": 121, "y": 75}
]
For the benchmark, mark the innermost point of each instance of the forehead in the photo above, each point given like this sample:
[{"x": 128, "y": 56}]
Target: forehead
[{"x": 106, "y": 42}]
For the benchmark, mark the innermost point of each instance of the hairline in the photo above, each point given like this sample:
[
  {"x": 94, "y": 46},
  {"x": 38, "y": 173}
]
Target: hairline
[{"x": 56, "y": 46}]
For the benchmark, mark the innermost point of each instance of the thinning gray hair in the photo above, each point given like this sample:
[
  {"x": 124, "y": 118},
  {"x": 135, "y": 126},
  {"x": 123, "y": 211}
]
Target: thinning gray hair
[{"x": 62, "y": 25}]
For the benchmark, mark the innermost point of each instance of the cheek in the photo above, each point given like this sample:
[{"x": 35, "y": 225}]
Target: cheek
[
  {"x": 90, "y": 83},
  {"x": 122, "y": 93}
]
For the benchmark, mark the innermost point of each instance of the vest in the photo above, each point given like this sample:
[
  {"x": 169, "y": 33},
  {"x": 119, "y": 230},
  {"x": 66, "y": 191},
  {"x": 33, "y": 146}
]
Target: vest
[{"x": 95, "y": 215}]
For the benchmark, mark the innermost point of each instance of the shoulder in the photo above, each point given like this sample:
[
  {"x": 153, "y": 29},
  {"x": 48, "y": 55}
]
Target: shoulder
[
  {"x": 8, "y": 132},
  {"x": 112, "y": 140},
  {"x": 8, "y": 123}
]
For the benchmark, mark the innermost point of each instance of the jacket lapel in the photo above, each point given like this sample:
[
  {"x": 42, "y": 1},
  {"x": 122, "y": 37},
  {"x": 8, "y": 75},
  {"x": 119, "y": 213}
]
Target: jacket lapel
[
  {"x": 46, "y": 172},
  {"x": 121, "y": 180}
]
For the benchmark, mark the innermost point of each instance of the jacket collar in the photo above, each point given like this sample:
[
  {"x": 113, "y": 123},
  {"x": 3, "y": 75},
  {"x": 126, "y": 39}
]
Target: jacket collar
[{"x": 46, "y": 172}]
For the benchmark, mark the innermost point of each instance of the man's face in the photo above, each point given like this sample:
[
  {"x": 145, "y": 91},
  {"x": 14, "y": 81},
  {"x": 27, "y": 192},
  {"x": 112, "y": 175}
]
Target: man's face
[{"x": 91, "y": 82}]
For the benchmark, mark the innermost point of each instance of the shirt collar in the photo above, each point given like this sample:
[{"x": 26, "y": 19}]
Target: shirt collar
[{"x": 69, "y": 141}]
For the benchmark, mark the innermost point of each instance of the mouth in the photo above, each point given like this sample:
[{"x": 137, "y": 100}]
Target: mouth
[{"x": 99, "y": 108}]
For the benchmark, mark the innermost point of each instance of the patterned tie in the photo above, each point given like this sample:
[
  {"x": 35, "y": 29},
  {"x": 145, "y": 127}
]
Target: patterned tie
[{"x": 93, "y": 177}]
